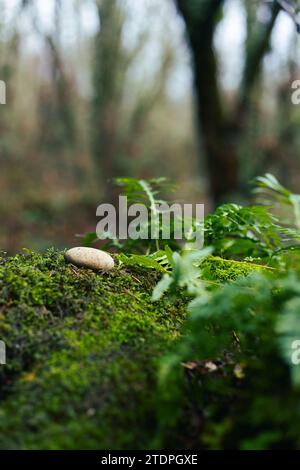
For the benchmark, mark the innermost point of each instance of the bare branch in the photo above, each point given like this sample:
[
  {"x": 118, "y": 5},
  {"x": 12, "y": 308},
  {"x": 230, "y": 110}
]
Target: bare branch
[{"x": 291, "y": 11}]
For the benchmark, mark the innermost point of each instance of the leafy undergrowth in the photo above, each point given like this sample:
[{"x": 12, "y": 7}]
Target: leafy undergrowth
[{"x": 233, "y": 379}]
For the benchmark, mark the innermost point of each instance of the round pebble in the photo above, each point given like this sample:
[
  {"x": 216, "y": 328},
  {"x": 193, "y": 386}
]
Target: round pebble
[{"x": 90, "y": 258}]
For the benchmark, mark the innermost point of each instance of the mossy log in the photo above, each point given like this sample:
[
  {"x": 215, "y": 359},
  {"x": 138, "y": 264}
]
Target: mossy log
[{"x": 82, "y": 354}]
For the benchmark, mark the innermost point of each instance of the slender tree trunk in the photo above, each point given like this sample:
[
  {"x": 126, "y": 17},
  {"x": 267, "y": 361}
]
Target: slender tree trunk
[
  {"x": 109, "y": 70},
  {"x": 215, "y": 132},
  {"x": 222, "y": 161},
  {"x": 219, "y": 132}
]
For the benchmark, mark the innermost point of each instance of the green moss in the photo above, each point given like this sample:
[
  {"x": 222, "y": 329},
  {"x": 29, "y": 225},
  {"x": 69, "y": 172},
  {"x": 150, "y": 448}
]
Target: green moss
[
  {"x": 82, "y": 350},
  {"x": 225, "y": 270}
]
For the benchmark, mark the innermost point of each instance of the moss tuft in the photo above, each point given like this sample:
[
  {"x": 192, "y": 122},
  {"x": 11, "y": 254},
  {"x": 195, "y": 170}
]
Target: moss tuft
[{"x": 225, "y": 270}]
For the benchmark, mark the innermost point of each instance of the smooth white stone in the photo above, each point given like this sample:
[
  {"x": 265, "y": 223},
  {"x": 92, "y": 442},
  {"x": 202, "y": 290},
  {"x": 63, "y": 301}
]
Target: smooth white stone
[{"x": 90, "y": 258}]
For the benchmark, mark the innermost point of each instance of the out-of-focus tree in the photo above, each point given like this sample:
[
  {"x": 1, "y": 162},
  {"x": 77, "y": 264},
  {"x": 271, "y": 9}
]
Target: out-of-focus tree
[
  {"x": 108, "y": 77},
  {"x": 65, "y": 115},
  {"x": 9, "y": 53},
  {"x": 220, "y": 129},
  {"x": 57, "y": 109},
  {"x": 115, "y": 132}
]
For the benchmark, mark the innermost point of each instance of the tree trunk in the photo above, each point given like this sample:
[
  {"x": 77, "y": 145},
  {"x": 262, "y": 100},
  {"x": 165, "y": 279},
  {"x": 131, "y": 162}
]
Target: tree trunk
[
  {"x": 222, "y": 160},
  {"x": 220, "y": 133}
]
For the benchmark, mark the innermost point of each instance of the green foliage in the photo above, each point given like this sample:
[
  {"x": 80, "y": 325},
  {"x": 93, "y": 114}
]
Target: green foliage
[
  {"x": 271, "y": 193},
  {"x": 239, "y": 232},
  {"x": 154, "y": 261},
  {"x": 149, "y": 194},
  {"x": 232, "y": 373},
  {"x": 185, "y": 273},
  {"x": 233, "y": 365}
]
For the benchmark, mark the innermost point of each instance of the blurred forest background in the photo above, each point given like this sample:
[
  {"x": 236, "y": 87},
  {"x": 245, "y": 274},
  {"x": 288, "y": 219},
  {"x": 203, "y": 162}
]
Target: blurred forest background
[{"x": 198, "y": 91}]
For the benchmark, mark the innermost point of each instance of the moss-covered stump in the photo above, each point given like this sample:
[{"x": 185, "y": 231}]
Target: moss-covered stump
[{"x": 82, "y": 350}]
